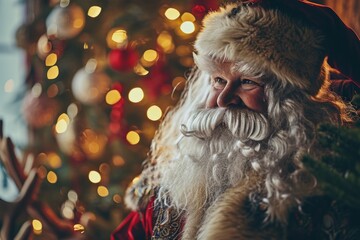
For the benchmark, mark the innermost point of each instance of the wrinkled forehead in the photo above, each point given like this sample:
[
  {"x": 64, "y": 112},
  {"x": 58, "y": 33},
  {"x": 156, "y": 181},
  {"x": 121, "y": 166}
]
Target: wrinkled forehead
[{"x": 214, "y": 66}]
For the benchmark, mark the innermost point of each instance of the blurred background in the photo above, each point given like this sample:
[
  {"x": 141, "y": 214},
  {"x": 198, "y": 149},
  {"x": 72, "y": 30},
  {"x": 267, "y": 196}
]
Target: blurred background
[{"x": 83, "y": 87}]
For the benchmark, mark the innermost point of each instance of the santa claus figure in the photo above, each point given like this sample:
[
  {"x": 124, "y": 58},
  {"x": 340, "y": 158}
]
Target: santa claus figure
[{"x": 226, "y": 162}]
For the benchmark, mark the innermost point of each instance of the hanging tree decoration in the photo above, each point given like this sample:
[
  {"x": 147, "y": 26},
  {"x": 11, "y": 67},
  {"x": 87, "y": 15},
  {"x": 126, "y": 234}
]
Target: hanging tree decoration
[
  {"x": 201, "y": 7},
  {"x": 158, "y": 81},
  {"x": 65, "y": 22},
  {"x": 90, "y": 84},
  {"x": 38, "y": 109},
  {"x": 114, "y": 98},
  {"x": 123, "y": 59}
]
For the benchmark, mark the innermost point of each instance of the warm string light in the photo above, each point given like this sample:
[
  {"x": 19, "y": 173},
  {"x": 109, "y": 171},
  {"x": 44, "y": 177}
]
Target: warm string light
[
  {"x": 51, "y": 177},
  {"x": 136, "y": 95},
  {"x": 79, "y": 228},
  {"x": 140, "y": 70},
  {"x": 53, "y": 72},
  {"x": 172, "y": 13},
  {"x": 165, "y": 41},
  {"x": 68, "y": 208},
  {"x": 54, "y": 160},
  {"x": 112, "y": 97},
  {"x": 187, "y": 27},
  {"x": 62, "y": 123},
  {"x": 187, "y": 21},
  {"x": 51, "y": 60},
  {"x": 133, "y": 137},
  {"x": 102, "y": 191},
  {"x": 94, "y": 176},
  {"x": 37, "y": 226},
  {"x": 154, "y": 113},
  {"x": 149, "y": 57},
  {"x": 117, "y": 38},
  {"x": 94, "y": 11}
]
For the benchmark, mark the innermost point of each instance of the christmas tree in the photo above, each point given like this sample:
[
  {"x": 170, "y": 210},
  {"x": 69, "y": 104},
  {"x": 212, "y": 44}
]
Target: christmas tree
[
  {"x": 338, "y": 170},
  {"x": 101, "y": 74}
]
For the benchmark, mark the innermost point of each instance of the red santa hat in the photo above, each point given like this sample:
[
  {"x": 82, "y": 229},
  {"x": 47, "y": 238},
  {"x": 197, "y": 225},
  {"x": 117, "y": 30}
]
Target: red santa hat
[{"x": 276, "y": 36}]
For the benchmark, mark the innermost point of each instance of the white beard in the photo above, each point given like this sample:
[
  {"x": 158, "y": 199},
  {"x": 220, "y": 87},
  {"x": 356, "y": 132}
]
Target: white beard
[{"x": 217, "y": 150}]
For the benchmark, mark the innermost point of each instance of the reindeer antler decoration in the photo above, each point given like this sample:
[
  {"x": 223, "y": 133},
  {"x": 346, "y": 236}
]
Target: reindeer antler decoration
[{"x": 26, "y": 201}]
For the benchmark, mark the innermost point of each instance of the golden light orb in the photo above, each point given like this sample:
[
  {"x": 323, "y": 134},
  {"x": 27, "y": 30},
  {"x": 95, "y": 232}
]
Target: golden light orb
[
  {"x": 172, "y": 13},
  {"x": 94, "y": 176},
  {"x": 136, "y": 95},
  {"x": 102, "y": 191},
  {"x": 54, "y": 160},
  {"x": 133, "y": 137},
  {"x": 112, "y": 97},
  {"x": 53, "y": 72},
  {"x": 51, "y": 60},
  {"x": 116, "y": 38},
  {"x": 150, "y": 55},
  {"x": 94, "y": 11},
  {"x": 51, "y": 177},
  {"x": 165, "y": 41},
  {"x": 188, "y": 17},
  {"x": 187, "y": 27},
  {"x": 154, "y": 113},
  {"x": 37, "y": 226}
]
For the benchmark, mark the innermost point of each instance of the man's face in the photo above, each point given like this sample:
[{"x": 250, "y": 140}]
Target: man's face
[{"x": 231, "y": 88}]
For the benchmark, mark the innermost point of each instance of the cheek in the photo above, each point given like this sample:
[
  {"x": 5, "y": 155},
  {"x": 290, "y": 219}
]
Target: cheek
[
  {"x": 211, "y": 101},
  {"x": 255, "y": 101}
]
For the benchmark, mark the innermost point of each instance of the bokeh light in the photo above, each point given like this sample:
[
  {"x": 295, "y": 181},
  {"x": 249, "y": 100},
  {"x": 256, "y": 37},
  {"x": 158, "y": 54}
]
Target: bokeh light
[
  {"x": 79, "y": 228},
  {"x": 51, "y": 177},
  {"x": 72, "y": 110},
  {"x": 53, "y": 72},
  {"x": 187, "y": 27},
  {"x": 51, "y": 60},
  {"x": 172, "y": 13},
  {"x": 37, "y": 226},
  {"x": 188, "y": 17},
  {"x": 54, "y": 160},
  {"x": 116, "y": 38},
  {"x": 102, "y": 191},
  {"x": 62, "y": 123},
  {"x": 154, "y": 113},
  {"x": 94, "y": 176},
  {"x": 150, "y": 55},
  {"x": 165, "y": 42},
  {"x": 112, "y": 97},
  {"x": 133, "y": 137},
  {"x": 94, "y": 11},
  {"x": 136, "y": 95},
  {"x": 117, "y": 198}
]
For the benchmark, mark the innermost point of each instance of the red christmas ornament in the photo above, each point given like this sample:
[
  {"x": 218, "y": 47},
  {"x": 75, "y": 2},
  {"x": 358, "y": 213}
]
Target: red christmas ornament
[
  {"x": 158, "y": 81},
  {"x": 116, "y": 116},
  {"x": 202, "y": 7},
  {"x": 123, "y": 59}
]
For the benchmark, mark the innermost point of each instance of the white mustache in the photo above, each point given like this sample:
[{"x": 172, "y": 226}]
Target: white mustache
[{"x": 243, "y": 124}]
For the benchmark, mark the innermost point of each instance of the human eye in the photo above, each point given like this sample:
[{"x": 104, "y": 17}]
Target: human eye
[
  {"x": 248, "y": 84},
  {"x": 219, "y": 83}
]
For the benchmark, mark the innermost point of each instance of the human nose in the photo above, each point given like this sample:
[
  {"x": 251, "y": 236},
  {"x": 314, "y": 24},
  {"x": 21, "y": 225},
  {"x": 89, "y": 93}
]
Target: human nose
[{"x": 228, "y": 97}]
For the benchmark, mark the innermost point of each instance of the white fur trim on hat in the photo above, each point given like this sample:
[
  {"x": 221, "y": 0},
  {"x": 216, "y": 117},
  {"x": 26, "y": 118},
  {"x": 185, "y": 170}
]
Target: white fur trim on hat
[{"x": 267, "y": 39}]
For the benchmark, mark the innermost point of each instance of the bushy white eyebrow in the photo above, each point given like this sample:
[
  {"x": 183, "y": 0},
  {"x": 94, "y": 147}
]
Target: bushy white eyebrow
[{"x": 213, "y": 67}]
